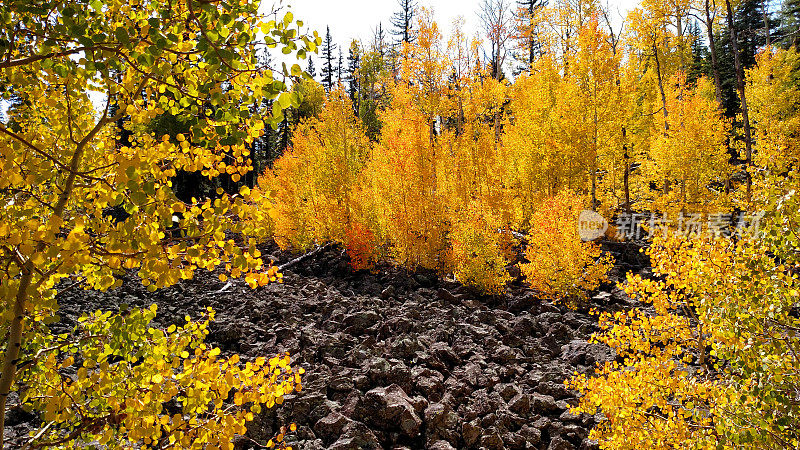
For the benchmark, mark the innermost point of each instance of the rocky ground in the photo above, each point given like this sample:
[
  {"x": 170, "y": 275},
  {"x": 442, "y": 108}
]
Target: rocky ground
[{"x": 396, "y": 360}]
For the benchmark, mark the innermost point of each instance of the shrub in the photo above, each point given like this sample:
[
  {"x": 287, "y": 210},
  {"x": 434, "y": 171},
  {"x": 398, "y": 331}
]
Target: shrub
[
  {"x": 561, "y": 266},
  {"x": 477, "y": 250},
  {"x": 713, "y": 362}
]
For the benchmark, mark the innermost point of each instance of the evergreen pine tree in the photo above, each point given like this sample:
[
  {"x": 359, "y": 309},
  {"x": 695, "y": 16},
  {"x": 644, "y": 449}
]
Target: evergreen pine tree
[
  {"x": 311, "y": 69},
  {"x": 751, "y": 37},
  {"x": 727, "y": 72},
  {"x": 353, "y": 64},
  {"x": 16, "y": 103},
  {"x": 339, "y": 67},
  {"x": 700, "y": 64},
  {"x": 750, "y": 30},
  {"x": 403, "y": 21},
  {"x": 284, "y": 135},
  {"x": 789, "y": 31},
  {"x": 264, "y": 149},
  {"x": 328, "y": 68},
  {"x": 379, "y": 40}
]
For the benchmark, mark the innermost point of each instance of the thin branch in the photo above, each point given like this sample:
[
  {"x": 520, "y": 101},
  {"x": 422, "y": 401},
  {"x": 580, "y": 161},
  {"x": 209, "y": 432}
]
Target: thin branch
[
  {"x": 32, "y": 59},
  {"x": 33, "y": 147}
]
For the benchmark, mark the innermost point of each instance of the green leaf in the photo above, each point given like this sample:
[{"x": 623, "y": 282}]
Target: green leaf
[
  {"x": 285, "y": 100},
  {"x": 296, "y": 70},
  {"x": 122, "y": 35}
]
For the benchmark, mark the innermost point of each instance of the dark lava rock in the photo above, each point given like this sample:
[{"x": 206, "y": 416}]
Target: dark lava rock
[
  {"x": 390, "y": 409},
  {"x": 357, "y": 322},
  {"x": 543, "y": 404},
  {"x": 520, "y": 404},
  {"x": 581, "y": 352},
  {"x": 558, "y": 335},
  {"x": 442, "y": 422},
  {"x": 589, "y": 444},
  {"x": 532, "y": 435},
  {"x": 441, "y": 445},
  {"x": 330, "y": 427},
  {"x": 356, "y": 436},
  {"x": 492, "y": 440},
  {"x": 393, "y": 359},
  {"x": 557, "y": 443},
  {"x": 471, "y": 432}
]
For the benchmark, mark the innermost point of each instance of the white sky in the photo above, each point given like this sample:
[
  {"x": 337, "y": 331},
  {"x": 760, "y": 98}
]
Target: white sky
[{"x": 357, "y": 19}]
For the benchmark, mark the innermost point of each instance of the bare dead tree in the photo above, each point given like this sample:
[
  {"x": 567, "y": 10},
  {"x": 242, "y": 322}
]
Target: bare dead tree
[{"x": 496, "y": 19}]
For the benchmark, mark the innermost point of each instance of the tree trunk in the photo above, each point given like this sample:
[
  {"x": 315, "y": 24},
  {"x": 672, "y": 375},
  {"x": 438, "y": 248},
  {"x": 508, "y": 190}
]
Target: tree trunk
[
  {"x": 737, "y": 62},
  {"x": 713, "y": 48},
  {"x": 683, "y": 190},
  {"x": 679, "y": 23},
  {"x": 665, "y": 189},
  {"x": 460, "y": 119},
  {"x": 661, "y": 89},
  {"x": 531, "y": 42},
  {"x": 11, "y": 356},
  {"x": 627, "y": 173},
  {"x": 766, "y": 23},
  {"x": 496, "y": 129}
]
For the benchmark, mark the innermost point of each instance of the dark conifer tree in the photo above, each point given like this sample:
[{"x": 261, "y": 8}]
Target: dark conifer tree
[
  {"x": 379, "y": 40},
  {"x": 264, "y": 149},
  {"x": 750, "y": 30},
  {"x": 700, "y": 63},
  {"x": 311, "y": 69},
  {"x": 353, "y": 64},
  {"x": 789, "y": 31},
  {"x": 403, "y": 21},
  {"x": 284, "y": 132},
  {"x": 16, "y": 103},
  {"x": 339, "y": 68},
  {"x": 727, "y": 72},
  {"x": 328, "y": 68},
  {"x": 751, "y": 37}
]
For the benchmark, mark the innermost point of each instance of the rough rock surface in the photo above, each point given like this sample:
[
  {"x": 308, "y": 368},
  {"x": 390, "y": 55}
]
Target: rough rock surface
[{"x": 395, "y": 360}]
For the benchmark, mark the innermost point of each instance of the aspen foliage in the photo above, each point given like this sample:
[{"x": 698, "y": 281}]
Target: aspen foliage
[
  {"x": 478, "y": 253},
  {"x": 312, "y": 185},
  {"x": 773, "y": 92},
  {"x": 125, "y": 372},
  {"x": 536, "y": 172},
  {"x": 715, "y": 364},
  {"x": 401, "y": 181},
  {"x": 591, "y": 116},
  {"x": 80, "y": 68},
  {"x": 561, "y": 266},
  {"x": 691, "y": 151},
  {"x": 607, "y": 114}
]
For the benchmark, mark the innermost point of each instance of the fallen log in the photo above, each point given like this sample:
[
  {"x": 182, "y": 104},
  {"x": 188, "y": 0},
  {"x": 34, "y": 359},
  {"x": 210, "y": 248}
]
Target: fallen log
[{"x": 319, "y": 249}]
